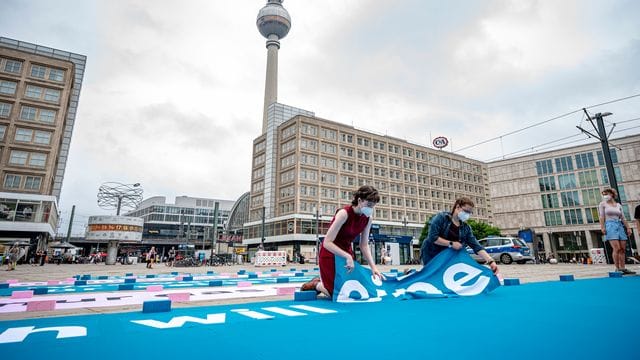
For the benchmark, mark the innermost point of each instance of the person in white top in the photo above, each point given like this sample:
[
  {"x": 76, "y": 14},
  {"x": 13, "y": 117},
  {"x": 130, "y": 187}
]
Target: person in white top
[{"x": 613, "y": 224}]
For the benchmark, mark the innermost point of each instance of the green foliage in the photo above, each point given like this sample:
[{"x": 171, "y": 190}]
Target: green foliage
[
  {"x": 481, "y": 230},
  {"x": 425, "y": 230}
]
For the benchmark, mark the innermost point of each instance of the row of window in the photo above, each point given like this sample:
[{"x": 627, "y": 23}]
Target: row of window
[
  {"x": 582, "y": 160},
  {"x": 329, "y": 134},
  {"x": 28, "y": 136},
  {"x": 574, "y": 216},
  {"x": 26, "y": 158},
  {"x": 26, "y": 182},
  {"x": 29, "y": 113},
  {"x": 332, "y": 163},
  {"x": 31, "y": 91},
  {"x": 37, "y": 71},
  {"x": 587, "y": 178}
]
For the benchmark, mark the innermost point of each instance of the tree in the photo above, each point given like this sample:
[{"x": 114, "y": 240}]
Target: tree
[
  {"x": 481, "y": 230},
  {"x": 425, "y": 230}
]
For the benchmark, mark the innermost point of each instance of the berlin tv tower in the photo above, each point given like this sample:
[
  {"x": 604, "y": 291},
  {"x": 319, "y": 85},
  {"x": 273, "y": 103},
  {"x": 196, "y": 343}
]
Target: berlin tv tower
[{"x": 273, "y": 23}]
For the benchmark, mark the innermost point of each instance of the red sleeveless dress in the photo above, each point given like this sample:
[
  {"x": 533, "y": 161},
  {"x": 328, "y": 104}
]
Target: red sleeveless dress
[{"x": 354, "y": 225}]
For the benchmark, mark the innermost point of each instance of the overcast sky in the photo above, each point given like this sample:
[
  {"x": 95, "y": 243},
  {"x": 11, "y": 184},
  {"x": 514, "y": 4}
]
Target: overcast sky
[{"x": 173, "y": 90}]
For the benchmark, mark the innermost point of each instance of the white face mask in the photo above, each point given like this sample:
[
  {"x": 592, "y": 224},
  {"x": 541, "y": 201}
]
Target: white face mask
[
  {"x": 463, "y": 216},
  {"x": 606, "y": 197},
  {"x": 367, "y": 211}
]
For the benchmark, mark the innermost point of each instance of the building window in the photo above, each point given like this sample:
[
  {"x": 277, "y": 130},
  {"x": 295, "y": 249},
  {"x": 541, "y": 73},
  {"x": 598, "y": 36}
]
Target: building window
[
  {"x": 592, "y": 215},
  {"x": 47, "y": 116},
  {"x": 13, "y": 66},
  {"x": 309, "y": 129},
  {"x": 23, "y": 135},
  {"x": 28, "y": 113},
  {"x": 38, "y": 71},
  {"x": 547, "y": 183},
  {"x": 52, "y": 95},
  {"x": 260, "y": 146},
  {"x": 585, "y": 160},
  {"x": 37, "y": 159},
  {"x": 552, "y": 218},
  {"x": 32, "y": 182},
  {"x": 42, "y": 138},
  {"x": 570, "y": 198},
  {"x": 5, "y": 109},
  {"x": 7, "y": 87},
  {"x": 591, "y": 196},
  {"x": 567, "y": 181},
  {"x": 549, "y": 201},
  {"x": 3, "y": 131},
  {"x": 573, "y": 216},
  {"x": 34, "y": 92},
  {"x": 564, "y": 164},
  {"x": 588, "y": 178},
  {"x": 605, "y": 176},
  {"x": 544, "y": 167},
  {"x": 56, "y": 75},
  {"x": 18, "y": 157},
  {"x": 12, "y": 181},
  {"x": 614, "y": 157}
]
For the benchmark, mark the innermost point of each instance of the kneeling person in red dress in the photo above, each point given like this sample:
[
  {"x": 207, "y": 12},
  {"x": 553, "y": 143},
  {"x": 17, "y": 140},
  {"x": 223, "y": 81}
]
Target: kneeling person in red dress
[{"x": 346, "y": 225}]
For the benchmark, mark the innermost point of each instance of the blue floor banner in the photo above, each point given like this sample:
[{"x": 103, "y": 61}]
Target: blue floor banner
[{"x": 450, "y": 273}]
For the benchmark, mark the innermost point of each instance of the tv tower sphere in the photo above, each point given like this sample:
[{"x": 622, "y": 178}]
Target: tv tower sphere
[{"x": 273, "y": 19}]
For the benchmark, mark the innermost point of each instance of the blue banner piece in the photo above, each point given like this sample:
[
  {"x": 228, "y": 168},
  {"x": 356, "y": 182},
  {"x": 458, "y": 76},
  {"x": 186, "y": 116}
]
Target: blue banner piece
[{"x": 450, "y": 273}]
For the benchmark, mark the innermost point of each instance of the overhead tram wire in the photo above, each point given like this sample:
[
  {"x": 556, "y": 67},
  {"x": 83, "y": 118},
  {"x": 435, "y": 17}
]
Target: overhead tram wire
[
  {"x": 548, "y": 120},
  {"x": 525, "y": 163},
  {"x": 564, "y": 138},
  {"x": 532, "y": 148}
]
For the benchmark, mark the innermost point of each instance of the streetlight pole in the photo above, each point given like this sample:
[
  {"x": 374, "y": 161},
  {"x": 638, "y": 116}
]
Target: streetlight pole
[
  {"x": 262, "y": 240},
  {"x": 317, "y": 234}
]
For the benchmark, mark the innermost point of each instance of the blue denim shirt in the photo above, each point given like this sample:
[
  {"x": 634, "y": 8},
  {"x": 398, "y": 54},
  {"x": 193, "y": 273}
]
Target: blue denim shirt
[{"x": 439, "y": 227}]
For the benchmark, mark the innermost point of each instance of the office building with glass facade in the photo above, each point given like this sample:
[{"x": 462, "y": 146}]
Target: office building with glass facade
[
  {"x": 557, "y": 193},
  {"x": 189, "y": 220}
]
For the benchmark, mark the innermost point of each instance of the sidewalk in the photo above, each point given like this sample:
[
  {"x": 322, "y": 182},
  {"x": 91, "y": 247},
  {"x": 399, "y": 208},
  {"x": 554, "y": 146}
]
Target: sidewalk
[{"x": 526, "y": 273}]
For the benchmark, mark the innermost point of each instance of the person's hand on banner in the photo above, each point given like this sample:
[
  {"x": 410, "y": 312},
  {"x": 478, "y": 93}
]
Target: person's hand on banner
[
  {"x": 377, "y": 273},
  {"x": 349, "y": 266},
  {"x": 494, "y": 267},
  {"x": 456, "y": 245}
]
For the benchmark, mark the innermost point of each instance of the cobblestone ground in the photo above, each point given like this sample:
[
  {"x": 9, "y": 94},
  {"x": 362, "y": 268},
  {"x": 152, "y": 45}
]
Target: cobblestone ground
[{"x": 526, "y": 272}]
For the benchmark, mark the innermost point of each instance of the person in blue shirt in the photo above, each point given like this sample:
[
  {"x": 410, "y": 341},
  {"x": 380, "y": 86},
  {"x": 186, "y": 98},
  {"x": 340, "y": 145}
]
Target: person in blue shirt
[{"x": 450, "y": 230}]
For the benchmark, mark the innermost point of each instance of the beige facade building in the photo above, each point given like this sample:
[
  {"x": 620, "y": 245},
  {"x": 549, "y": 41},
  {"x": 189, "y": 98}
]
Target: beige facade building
[
  {"x": 307, "y": 167},
  {"x": 39, "y": 91},
  {"x": 557, "y": 193}
]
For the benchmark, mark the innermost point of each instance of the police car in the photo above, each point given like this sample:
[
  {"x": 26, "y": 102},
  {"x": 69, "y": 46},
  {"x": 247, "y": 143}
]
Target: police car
[{"x": 504, "y": 249}]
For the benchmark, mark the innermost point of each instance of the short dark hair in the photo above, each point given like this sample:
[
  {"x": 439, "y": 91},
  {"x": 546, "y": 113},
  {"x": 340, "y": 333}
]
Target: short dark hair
[
  {"x": 365, "y": 192},
  {"x": 461, "y": 202}
]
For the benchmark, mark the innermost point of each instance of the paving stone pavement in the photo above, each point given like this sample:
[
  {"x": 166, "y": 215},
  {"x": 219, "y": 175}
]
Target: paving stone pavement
[{"x": 526, "y": 272}]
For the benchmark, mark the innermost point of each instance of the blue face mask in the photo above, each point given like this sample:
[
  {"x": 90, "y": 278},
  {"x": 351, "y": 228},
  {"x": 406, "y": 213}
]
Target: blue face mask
[
  {"x": 367, "y": 211},
  {"x": 463, "y": 216}
]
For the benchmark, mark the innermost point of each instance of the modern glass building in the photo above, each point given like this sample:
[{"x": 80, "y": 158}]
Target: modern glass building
[
  {"x": 189, "y": 220},
  {"x": 557, "y": 193}
]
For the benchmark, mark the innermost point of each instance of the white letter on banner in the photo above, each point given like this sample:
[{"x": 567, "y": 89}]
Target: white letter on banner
[
  {"x": 179, "y": 321},
  {"x": 354, "y": 285},
  {"x": 456, "y": 285},
  {"x": 13, "y": 335},
  {"x": 424, "y": 287}
]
